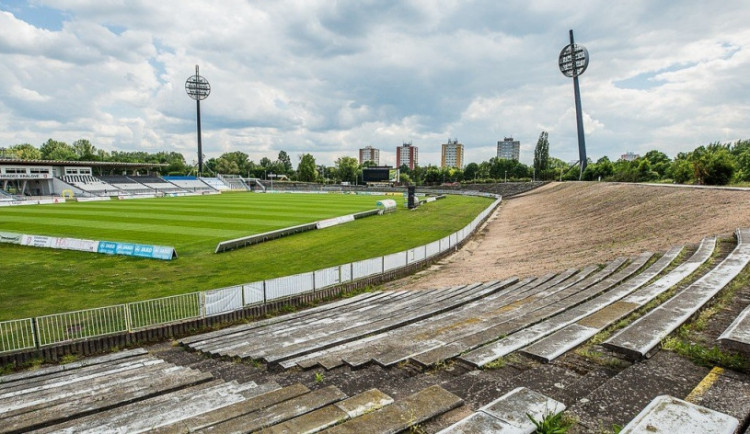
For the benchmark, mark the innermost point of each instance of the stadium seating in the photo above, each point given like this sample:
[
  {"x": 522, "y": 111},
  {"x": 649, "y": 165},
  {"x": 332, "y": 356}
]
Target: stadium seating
[
  {"x": 91, "y": 184},
  {"x": 189, "y": 183},
  {"x": 216, "y": 183}
]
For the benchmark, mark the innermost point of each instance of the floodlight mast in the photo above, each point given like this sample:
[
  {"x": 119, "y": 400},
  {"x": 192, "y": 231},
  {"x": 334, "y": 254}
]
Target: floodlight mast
[
  {"x": 198, "y": 88},
  {"x": 573, "y": 61}
]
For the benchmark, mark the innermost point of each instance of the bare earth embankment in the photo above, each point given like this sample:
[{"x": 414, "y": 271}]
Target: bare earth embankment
[{"x": 569, "y": 225}]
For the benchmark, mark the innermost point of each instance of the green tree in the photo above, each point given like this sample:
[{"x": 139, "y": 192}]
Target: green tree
[
  {"x": 471, "y": 171},
  {"x": 659, "y": 162},
  {"x": 226, "y": 167},
  {"x": 84, "y": 150},
  {"x": 25, "y": 151},
  {"x": 54, "y": 150},
  {"x": 285, "y": 162},
  {"x": 240, "y": 159},
  {"x": 346, "y": 169},
  {"x": 306, "y": 168},
  {"x": 541, "y": 153}
]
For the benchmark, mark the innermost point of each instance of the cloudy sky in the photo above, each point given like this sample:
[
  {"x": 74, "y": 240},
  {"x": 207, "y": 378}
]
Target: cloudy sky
[{"x": 328, "y": 77}]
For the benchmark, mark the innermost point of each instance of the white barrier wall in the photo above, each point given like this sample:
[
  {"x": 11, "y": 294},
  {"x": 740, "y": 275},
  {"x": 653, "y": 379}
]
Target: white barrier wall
[{"x": 223, "y": 300}]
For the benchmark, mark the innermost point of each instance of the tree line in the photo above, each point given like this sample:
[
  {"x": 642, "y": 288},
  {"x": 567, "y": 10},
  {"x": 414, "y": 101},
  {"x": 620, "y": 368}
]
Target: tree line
[{"x": 713, "y": 164}]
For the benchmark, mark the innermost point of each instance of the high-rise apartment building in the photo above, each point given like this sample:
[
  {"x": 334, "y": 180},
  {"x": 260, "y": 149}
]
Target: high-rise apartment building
[
  {"x": 508, "y": 149},
  {"x": 407, "y": 154},
  {"x": 368, "y": 153},
  {"x": 452, "y": 154}
]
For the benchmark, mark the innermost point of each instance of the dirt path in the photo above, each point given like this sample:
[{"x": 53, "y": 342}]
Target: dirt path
[{"x": 564, "y": 225}]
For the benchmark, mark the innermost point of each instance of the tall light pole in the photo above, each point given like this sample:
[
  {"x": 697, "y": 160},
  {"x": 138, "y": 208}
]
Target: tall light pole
[
  {"x": 198, "y": 88},
  {"x": 573, "y": 61}
]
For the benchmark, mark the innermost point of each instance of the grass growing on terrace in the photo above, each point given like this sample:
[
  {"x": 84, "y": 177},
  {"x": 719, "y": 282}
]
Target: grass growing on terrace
[{"x": 42, "y": 281}]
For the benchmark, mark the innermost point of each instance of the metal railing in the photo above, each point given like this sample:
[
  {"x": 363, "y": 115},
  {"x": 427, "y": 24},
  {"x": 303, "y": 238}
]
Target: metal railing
[{"x": 47, "y": 330}]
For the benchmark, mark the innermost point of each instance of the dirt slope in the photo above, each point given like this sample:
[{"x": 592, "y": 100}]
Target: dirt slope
[{"x": 564, "y": 225}]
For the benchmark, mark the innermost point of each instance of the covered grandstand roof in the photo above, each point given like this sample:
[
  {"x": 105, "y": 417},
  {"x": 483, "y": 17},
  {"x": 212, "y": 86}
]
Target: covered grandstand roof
[{"x": 103, "y": 164}]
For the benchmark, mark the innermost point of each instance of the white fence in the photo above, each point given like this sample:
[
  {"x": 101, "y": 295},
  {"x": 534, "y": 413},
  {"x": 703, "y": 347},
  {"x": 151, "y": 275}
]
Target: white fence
[{"x": 16, "y": 335}]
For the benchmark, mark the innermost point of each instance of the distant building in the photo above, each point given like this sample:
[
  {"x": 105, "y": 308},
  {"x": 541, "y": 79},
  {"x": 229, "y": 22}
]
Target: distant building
[
  {"x": 368, "y": 153},
  {"x": 452, "y": 154},
  {"x": 508, "y": 149},
  {"x": 629, "y": 156},
  {"x": 407, "y": 154}
]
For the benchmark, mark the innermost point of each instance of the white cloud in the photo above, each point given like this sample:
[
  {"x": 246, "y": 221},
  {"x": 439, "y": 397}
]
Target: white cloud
[{"x": 327, "y": 78}]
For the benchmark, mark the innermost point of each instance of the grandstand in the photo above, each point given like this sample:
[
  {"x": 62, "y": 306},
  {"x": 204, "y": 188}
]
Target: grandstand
[
  {"x": 189, "y": 183},
  {"x": 216, "y": 184}
]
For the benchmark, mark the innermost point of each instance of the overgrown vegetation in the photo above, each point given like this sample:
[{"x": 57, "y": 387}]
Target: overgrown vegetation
[{"x": 551, "y": 423}]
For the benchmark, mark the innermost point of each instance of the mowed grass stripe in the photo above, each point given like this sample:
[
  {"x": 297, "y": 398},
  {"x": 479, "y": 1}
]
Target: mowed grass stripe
[
  {"x": 43, "y": 281},
  {"x": 139, "y": 218}
]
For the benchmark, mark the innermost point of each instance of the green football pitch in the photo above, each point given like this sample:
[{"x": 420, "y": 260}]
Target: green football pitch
[{"x": 40, "y": 281}]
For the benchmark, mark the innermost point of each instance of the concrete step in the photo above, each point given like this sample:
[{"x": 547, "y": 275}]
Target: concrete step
[
  {"x": 165, "y": 409},
  {"x": 401, "y": 415},
  {"x": 37, "y": 398},
  {"x": 280, "y": 412},
  {"x": 297, "y": 328},
  {"x": 667, "y": 414},
  {"x": 620, "y": 398},
  {"x": 240, "y": 409},
  {"x": 479, "y": 356},
  {"x": 48, "y": 413},
  {"x": 388, "y": 320},
  {"x": 526, "y": 336},
  {"x": 508, "y": 414},
  {"x": 328, "y": 416},
  {"x": 569, "y": 337},
  {"x": 227, "y": 333},
  {"x": 433, "y": 334},
  {"x": 47, "y": 372},
  {"x": 642, "y": 338},
  {"x": 737, "y": 335}
]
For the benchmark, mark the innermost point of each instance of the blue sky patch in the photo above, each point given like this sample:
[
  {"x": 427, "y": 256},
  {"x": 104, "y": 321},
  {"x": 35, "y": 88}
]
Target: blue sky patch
[{"x": 39, "y": 16}]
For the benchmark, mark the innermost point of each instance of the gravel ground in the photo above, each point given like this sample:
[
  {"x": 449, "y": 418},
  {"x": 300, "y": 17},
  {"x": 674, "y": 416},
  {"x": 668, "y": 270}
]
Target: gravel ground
[{"x": 568, "y": 225}]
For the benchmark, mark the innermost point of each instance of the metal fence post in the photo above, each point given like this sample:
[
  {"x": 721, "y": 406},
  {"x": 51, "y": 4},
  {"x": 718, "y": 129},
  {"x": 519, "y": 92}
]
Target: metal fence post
[
  {"x": 35, "y": 330},
  {"x": 128, "y": 319}
]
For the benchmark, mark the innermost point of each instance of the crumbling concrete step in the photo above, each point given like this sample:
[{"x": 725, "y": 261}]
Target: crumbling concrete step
[
  {"x": 37, "y": 397},
  {"x": 316, "y": 327},
  {"x": 62, "y": 410},
  {"x": 526, "y": 336},
  {"x": 388, "y": 321},
  {"x": 331, "y": 415},
  {"x": 508, "y": 414},
  {"x": 401, "y": 415},
  {"x": 462, "y": 324},
  {"x": 667, "y": 414},
  {"x": 359, "y": 298},
  {"x": 564, "y": 340},
  {"x": 290, "y": 330},
  {"x": 279, "y": 412},
  {"x": 479, "y": 355},
  {"x": 249, "y": 406},
  {"x": 737, "y": 335},
  {"x": 641, "y": 338},
  {"x": 164, "y": 409},
  {"x": 5, "y": 380},
  {"x": 231, "y": 333},
  {"x": 61, "y": 379},
  {"x": 431, "y": 335}
]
